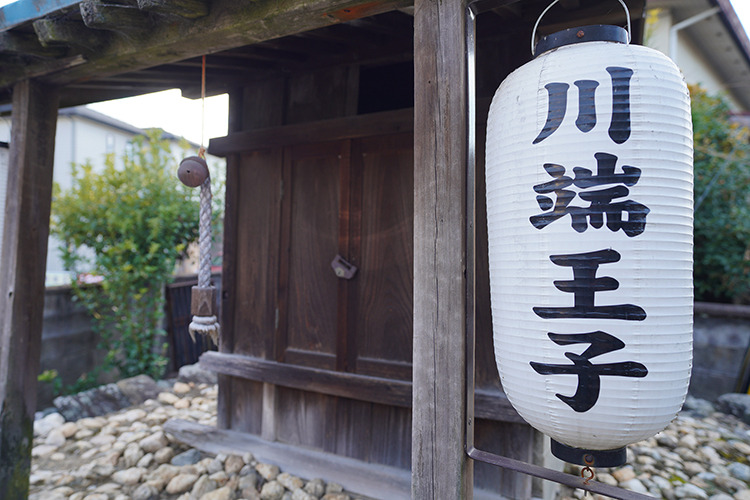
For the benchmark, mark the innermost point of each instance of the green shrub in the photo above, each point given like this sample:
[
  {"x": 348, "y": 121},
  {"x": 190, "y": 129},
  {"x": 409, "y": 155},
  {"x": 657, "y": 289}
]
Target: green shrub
[
  {"x": 136, "y": 221},
  {"x": 722, "y": 202}
]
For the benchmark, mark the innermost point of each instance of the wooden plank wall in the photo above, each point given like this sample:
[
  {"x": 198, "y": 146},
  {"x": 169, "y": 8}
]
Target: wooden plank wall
[
  {"x": 24, "y": 254},
  {"x": 293, "y": 144}
]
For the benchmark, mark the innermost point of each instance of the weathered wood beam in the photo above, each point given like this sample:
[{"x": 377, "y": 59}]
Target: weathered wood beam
[
  {"x": 230, "y": 24},
  {"x": 189, "y": 9},
  {"x": 24, "y": 253},
  {"x": 440, "y": 467},
  {"x": 18, "y": 13},
  {"x": 71, "y": 33},
  {"x": 27, "y": 44},
  {"x": 125, "y": 19}
]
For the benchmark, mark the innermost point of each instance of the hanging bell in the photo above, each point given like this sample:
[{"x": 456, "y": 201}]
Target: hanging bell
[{"x": 193, "y": 171}]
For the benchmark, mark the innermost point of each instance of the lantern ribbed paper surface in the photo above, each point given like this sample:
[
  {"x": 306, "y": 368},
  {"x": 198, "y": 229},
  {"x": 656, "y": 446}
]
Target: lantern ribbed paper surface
[{"x": 590, "y": 213}]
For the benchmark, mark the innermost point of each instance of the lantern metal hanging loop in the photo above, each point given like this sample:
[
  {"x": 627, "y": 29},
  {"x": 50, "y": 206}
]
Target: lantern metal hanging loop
[{"x": 539, "y": 19}]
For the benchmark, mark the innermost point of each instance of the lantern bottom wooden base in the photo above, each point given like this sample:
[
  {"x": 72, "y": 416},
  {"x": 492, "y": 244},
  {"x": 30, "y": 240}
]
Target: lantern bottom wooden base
[{"x": 591, "y": 458}]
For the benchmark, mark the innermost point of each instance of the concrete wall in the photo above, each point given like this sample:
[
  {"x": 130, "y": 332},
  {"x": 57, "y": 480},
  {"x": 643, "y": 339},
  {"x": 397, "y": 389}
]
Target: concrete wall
[
  {"x": 68, "y": 342},
  {"x": 721, "y": 339},
  {"x": 69, "y": 345}
]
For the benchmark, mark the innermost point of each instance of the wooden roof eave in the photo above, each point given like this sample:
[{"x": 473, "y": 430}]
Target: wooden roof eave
[{"x": 111, "y": 48}]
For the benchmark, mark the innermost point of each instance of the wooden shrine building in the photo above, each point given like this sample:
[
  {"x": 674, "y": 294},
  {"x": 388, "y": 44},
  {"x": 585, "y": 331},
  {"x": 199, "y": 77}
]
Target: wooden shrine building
[{"x": 347, "y": 141}]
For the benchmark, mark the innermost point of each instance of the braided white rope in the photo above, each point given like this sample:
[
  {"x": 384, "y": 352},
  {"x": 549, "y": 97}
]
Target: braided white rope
[
  {"x": 204, "y": 270},
  {"x": 205, "y": 325}
]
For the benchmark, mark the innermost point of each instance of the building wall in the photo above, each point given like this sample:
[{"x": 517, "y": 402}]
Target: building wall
[
  {"x": 79, "y": 140},
  {"x": 696, "y": 68}
]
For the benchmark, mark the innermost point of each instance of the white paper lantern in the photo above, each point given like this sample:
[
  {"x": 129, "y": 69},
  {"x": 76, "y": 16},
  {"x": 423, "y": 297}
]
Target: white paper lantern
[{"x": 590, "y": 214}]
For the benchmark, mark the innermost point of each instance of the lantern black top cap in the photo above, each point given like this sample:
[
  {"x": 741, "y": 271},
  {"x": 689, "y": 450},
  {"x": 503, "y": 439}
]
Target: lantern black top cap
[{"x": 593, "y": 33}]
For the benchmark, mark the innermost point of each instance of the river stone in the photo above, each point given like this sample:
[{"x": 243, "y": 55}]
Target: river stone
[
  {"x": 248, "y": 481},
  {"x": 154, "y": 442},
  {"x": 721, "y": 496},
  {"x": 688, "y": 441},
  {"x": 190, "y": 457},
  {"x": 181, "y": 388},
  {"x": 334, "y": 488},
  {"x": 98, "y": 401},
  {"x": 740, "y": 471},
  {"x": 223, "y": 493},
  {"x": 182, "y": 403},
  {"x": 289, "y": 481},
  {"x": 317, "y": 487},
  {"x": 129, "y": 417},
  {"x": 698, "y": 407},
  {"x": 43, "y": 426},
  {"x": 693, "y": 468},
  {"x": 666, "y": 439},
  {"x": 624, "y": 474},
  {"x": 194, "y": 373},
  {"x": 202, "y": 486},
  {"x": 634, "y": 485},
  {"x": 272, "y": 490},
  {"x": 336, "y": 496},
  {"x": 96, "y": 496},
  {"x": 690, "y": 491},
  {"x": 139, "y": 388},
  {"x": 728, "y": 483},
  {"x": 164, "y": 455},
  {"x": 146, "y": 460},
  {"x": 735, "y": 404},
  {"x": 129, "y": 476},
  {"x": 267, "y": 471},
  {"x": 301, "y": 494},
  {"x": 55, "y": 438},
  {"x": 69, "y": 429},
  {"x": 215, "y": 465},
  {"x": 167, "y": 398},
  {"x": 181, "y": 483},
  {"x": 742, "y": 495},
  {"x": 220, "y": 477},
  {"x": 132, "y": 454},
  {"x": 233, "y": 464}
]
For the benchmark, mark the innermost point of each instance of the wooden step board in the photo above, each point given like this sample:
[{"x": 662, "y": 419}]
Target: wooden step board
[
  {"x": 363, "y": 478},
  {"x": 371, "y": 480}
]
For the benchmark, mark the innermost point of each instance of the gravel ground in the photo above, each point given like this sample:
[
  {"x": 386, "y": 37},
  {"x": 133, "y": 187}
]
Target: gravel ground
[{"x": 125, "y": 455}]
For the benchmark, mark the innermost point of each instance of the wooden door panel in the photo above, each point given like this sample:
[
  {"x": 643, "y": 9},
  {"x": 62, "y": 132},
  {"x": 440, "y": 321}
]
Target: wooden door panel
[
  {"x": 312, "y": 220},
  {"x": 384, "y": 291},
  {"x": 258, "y": 211}
]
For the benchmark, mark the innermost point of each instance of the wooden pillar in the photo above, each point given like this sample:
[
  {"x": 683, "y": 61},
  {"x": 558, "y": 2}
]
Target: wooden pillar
[
  {"x": 24, "y": 255},
  {"x": 440, "y": 467}
]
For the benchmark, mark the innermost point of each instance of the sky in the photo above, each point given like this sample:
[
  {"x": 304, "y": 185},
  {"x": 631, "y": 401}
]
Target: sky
[{"x": 180, "y": 116}]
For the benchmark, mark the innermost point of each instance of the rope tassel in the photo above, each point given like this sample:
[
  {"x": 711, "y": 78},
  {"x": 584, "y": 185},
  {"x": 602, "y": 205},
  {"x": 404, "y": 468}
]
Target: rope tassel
[{"x": 193, "y": 172}]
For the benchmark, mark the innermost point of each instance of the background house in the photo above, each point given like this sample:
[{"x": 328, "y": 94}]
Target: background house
[
  {"x": 84, "y": 135},
  {"x": 707, "y": 41}
]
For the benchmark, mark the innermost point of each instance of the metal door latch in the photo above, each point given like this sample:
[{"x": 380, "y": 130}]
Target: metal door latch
[{"x": 342, "y": 268}]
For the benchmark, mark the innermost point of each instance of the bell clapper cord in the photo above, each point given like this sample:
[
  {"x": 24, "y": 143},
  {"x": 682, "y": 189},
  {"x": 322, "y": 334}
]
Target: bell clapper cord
[{"x": 193, "y": 172}]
